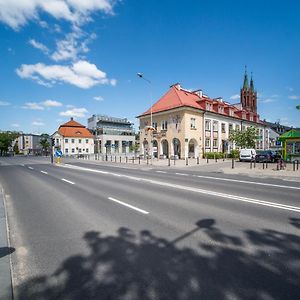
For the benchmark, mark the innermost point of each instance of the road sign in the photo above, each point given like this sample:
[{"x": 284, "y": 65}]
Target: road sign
[
  {"x": 58, "y": 153},
  {"x": 278, "y": 143}
]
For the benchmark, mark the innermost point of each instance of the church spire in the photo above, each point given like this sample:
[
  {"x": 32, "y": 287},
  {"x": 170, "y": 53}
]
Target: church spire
[
  {"x": 246, "y": 82},
  {"x": 251, "y": 84}
]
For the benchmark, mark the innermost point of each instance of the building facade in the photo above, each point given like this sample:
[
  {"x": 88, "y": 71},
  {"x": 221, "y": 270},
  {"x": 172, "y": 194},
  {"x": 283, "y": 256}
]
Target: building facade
[
  {"x": 189, "y": 123},
  {"x": 74, "y": 139},
  {"x": 112, "y": 135},
  {"x": 29, "y": 144}
]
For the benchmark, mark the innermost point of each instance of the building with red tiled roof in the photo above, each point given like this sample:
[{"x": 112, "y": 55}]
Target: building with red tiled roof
[
  {"x": 73, "y": 138},
  {"x": 189, "y": 123}
]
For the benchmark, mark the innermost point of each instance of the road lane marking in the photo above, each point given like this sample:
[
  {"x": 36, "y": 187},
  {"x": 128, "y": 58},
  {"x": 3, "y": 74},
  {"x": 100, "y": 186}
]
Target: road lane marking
[
  {"x": 128, "y": 205},
  {"x": 31, "y": 168},
  {"x": 249, "y": 182},
  {"x": 202, "y": 191},
  {"x": 182, "y": 174},
  {"x": 68, "y": 181},
  {"x": 161, "y": 172},
  {"x": 44, "y": 172}
]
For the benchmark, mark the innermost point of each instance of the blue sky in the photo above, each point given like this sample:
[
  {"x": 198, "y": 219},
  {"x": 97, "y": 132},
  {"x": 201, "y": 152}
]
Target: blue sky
[{"x": 63, "y": 58}]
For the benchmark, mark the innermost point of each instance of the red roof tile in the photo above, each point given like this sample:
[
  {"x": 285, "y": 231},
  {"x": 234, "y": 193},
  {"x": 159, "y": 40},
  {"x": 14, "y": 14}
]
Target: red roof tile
[{"x": 74, "y": 129}]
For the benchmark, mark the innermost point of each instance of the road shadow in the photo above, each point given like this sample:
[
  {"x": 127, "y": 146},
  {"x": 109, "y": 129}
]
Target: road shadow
[
  {"x": 6, "y": 251},
  {"x": 143, "y": 266}
]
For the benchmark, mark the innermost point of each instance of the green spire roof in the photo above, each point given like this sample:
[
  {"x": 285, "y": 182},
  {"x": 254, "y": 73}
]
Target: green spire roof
[
  {"x": 246, "y": 82},
  {"x": 251, "y": 84}
]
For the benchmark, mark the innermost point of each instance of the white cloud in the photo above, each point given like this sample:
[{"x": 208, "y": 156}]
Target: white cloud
[
  {"x": 33, "y": 106},
  {"x": 98, "y": 98},
  {"x": 39, "y": 46},
  {"x": 268, "y": 100},
  {"x": 16, "y": 13},
  {"x": 4, "y": 103},
  {"x": 81, "y": 74},
  {"x": 74, "y": 112},
  {"x": 37, "y": 123},
  {"x": 294, "y": 97},
  {"x": 235, "y": 97},
  {"x": 51, "y": 103},
  {"x": 15, "y": 125}
]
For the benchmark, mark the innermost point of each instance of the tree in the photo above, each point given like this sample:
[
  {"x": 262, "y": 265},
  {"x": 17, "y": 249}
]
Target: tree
[
  {"x": 44, "y": 141},
  {"x": 6, "y": 139},
  {"x": 245, "y": 138}
]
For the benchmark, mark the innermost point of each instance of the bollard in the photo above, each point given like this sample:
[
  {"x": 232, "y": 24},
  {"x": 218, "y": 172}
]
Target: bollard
[
  {"x": 111, "y": 158},
  {"x": 263, "y": 165},
  {"x": 147, "y": 160},
  {"x": 207, "y": 159},
  {"x": 297, "y": 164},
  {"x": 251, "y": 164},
  {"x": 254, "y": 165},
  {"x": 294, "y": 165},
  {"x": 126, "y": 159},
  {"x": 216, "y": 159},
  {"x": 223, "y": 157},
  {"x": 266, "y": 165},
  {"x": 106, "y": 157},
  {"x": 133, "y": 160},
  {"x": 115, "y": 158},
  {"x": 120, "y": 159},
  {"x": 169, "y": 162},
  {"x": 187, "y": 162},
  {"x": 139, "y": 160},
  {"x": 198, "y": 160},
  {"x": 232, "y": 163}
]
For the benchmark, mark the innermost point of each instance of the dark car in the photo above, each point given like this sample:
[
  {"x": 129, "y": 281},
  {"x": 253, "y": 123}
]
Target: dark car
[
  {"x": 264, "y": 156},
  {"x": 276, "y": 155}
]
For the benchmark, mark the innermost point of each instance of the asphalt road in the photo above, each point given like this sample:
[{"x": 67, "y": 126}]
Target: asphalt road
[{"x": 83, "y": 231}]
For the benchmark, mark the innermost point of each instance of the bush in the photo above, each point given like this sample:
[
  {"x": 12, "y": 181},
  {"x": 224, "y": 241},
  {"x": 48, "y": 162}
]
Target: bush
[
  {"x": 234, "y": 154},
  {"x": 213, "y": 155}
]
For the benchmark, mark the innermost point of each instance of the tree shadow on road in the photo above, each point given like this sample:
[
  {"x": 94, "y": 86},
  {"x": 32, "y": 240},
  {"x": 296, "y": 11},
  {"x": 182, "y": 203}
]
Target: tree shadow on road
[
  {"x": 6, "y": 251},
  {"x": 145, "y": 267}
]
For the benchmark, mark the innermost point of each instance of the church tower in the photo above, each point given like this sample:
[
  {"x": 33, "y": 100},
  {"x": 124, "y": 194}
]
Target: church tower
[{"x": 248, "y": 95}]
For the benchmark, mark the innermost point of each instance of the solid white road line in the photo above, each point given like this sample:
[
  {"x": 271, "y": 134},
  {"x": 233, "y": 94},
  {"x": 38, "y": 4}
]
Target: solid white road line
[
  {"x": 128, "y": 205},
  {"x": 181, "y": 174},
  {"x": 206, "y": 192},
  {"x": 31, "y": 168},
  {"x": 161, "y": 172},
  {"x": 68, "y": 181},
  {"x": 44, "y": 172},
  {"x": 249, "y": 182}
]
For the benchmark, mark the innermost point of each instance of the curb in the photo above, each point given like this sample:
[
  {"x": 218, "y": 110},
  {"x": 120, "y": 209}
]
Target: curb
[{"x": 6, "y": 292}]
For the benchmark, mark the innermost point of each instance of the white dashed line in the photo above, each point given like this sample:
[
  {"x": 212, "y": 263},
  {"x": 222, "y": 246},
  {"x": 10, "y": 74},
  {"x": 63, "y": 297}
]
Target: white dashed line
[
  {"x": 182, "y": 174},
  {"x": 128, "y": 205},
  {"x": 68, "y": 181},
  {"x": 44, "y": 172},
  {"x": 31, "y": 168},
  {"x": 161, "y": 172}
]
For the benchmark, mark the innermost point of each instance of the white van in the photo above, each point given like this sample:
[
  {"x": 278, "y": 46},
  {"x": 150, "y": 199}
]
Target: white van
[{"x": 247, "y": 154}]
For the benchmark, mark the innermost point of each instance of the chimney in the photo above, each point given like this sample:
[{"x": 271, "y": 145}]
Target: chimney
[
  {"x": 176, "y": 85},
  {"x": 71, "y": 118},
  {"x": 198, "y": 93}
]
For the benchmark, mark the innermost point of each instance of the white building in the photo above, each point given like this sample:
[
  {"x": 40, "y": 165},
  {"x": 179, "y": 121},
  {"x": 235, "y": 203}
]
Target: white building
[{"x": 73, "y": 139}]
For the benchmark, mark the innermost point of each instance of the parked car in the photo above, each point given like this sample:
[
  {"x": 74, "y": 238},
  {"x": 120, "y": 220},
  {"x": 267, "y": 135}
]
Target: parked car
[
  {"x": 265, "y": 156},
  {"x": 247, "y": 154}
]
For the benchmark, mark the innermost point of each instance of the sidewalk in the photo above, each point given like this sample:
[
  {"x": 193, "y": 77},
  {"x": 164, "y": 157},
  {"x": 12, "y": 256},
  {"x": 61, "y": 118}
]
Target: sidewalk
[
  {"x": 5, "y": 251},
  {"x": 202, "y": 165}
]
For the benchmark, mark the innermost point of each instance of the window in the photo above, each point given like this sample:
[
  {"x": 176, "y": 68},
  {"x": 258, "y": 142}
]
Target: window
[
  {"x": 237, "y": 127},
  {"x": 87, "y": 150},
  {"x": 243, "y": 128},
  {"x": 79, "y": 141},
  {"x": 73, "y": 141},
  {"x": 221, "y": 110},
  {"x": 207, "y": 142},
  {"x": 66, "y": 140},
  {"x": 215, "y": 126},
  {"x": 230, "y": 128},
  {"x": 154, "y": 125},
  {"x": 208, "y": 106},
  {"x": 87, "y": 141},
  {"x": 230, "y": 112},
  {"x": 223, "y": 125},
  {"x": 193, "y": 123},
  {"x": 79, "y": 150},
  {"x": 207, "y": 124},
  {"x": 215, "y": 143},
  {"x": 57, "y": 141},
  {"x": 67, "y": 150},
  {"x": 164, "y": 125},
  {"x": 73, "y": 150}
]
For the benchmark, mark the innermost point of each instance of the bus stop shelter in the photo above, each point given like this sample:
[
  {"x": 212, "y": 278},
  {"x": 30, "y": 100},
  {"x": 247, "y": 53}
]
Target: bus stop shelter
[{"x": 290, "y": 145}]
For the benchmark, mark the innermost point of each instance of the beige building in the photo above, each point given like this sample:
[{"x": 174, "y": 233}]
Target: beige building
[{"x": 189, "y": 123}]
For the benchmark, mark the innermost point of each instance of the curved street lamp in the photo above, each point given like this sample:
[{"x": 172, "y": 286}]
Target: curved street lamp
[{"x": 149, "y": 128}]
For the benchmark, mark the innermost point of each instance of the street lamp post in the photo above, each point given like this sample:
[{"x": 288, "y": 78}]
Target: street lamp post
[{"x": 150, "y": 128}]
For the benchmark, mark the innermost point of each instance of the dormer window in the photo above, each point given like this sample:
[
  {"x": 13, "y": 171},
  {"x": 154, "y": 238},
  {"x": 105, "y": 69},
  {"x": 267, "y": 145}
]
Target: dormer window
[
  {"x": 221, "y": 110},
  {"x": 208, "y": 106},
  {"x": 231, "y": 112}
]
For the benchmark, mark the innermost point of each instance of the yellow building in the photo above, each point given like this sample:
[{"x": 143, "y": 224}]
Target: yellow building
[{"x": 188, "y": 123}]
